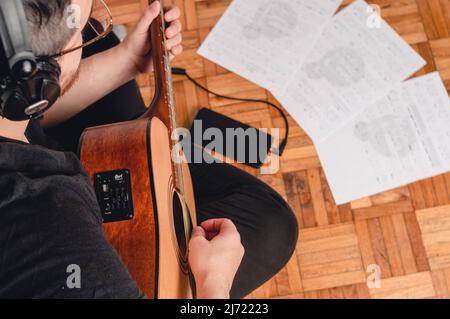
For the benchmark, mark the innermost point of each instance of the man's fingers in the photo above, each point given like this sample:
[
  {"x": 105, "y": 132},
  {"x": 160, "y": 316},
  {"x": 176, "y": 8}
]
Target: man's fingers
[
  {"x": 172, "y": 14},
  {"x": 211, "y": 236},
  {"x": 221, "y": 226},
  {"x": 147, "y": 18},
  {"x": 177, "y": 50},
  {"x": 174, "y": 29},
  {"x": 198, "y": 232},
  {"x": 171, "y": 43},
  {"x": 198, "y": 238}
]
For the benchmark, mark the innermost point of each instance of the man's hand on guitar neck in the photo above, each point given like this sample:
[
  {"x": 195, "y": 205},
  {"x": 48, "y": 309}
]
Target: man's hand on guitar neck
[
  {"x": 137, "y": 43},
  {"x": 104, "y": 72},
  {"x": 215, "y": 253}
]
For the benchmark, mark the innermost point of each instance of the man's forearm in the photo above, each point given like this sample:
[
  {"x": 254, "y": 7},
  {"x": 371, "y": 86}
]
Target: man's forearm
[
  {"x": 99, "y": 75},
  {"x": 213, "y": 288}
]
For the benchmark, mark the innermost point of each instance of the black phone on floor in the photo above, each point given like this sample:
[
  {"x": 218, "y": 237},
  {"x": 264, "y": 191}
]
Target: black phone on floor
[{"x": 240, "y": 142}]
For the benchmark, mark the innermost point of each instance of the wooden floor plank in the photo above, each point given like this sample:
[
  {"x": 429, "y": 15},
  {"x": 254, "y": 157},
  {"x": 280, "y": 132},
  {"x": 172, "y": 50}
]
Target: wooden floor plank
[
  {"x": 419, "y": 285},
  {"x": 435, "y": 227}
]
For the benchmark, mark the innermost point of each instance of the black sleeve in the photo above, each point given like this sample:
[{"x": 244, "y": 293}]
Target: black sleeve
[{"x": 51, "y": 230}]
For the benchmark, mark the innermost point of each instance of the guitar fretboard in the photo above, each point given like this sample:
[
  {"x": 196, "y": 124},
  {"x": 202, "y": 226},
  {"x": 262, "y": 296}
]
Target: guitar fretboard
[{"x": 176, "y": 155}]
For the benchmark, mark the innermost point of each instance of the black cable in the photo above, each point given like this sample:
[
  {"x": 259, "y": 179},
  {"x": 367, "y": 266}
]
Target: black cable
[{"x": 283, "y": 144}]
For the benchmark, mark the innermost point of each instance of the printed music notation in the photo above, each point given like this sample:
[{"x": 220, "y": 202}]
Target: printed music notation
[
  {"x": 265, "y": 41},
  {"x": 401, "y": 138},
  {"x": 342, "y": 80},
  {"x": 350, "y": 67}
]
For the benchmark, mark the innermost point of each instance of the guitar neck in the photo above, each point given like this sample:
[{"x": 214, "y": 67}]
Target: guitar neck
[{"x": 163, "y": 104}]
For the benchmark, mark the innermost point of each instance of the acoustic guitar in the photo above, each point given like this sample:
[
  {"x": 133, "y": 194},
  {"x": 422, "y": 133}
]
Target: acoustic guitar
[{"x": 144, "y": 191}]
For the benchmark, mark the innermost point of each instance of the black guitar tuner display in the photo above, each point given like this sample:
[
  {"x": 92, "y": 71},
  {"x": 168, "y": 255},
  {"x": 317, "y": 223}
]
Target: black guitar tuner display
[{"x": 114, "y": 195}]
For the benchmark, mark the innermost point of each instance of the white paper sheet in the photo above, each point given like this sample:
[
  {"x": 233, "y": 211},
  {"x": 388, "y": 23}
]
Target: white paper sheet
[
  {"x": 400, "y": 139},
  {"x": 353, "y": 64},
  {"x": 265, "y": 41}
]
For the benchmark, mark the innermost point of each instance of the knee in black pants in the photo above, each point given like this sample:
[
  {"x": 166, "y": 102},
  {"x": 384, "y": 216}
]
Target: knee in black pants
[{"x": 270, "y": 240}]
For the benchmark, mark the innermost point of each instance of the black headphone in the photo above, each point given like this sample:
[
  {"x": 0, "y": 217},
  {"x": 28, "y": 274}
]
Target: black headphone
[{"x": 29, "y": 85}]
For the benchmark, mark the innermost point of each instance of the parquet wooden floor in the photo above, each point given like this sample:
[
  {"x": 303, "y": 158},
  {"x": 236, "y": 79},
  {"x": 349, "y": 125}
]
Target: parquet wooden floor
[{"x": 405, "y": 231}]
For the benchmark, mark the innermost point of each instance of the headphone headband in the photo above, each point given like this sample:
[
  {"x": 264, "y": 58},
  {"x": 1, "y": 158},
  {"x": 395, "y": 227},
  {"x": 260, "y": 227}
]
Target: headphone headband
[{"x": 16, "y": 42}]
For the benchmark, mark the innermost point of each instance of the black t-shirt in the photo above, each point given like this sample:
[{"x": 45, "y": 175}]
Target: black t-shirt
[{"x": 51, "y": 239}]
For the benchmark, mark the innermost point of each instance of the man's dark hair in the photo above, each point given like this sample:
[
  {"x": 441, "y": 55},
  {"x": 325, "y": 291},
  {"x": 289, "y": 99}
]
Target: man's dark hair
[{"x": 47, "y": 21}]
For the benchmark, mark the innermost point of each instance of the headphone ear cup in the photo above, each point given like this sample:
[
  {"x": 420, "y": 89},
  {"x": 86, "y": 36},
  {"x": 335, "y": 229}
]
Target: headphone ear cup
[
  {"x": 50, "y": 91},
  {"x": 14, "y": 104},
  {"x": 42, "y": 86},
  {"x": 47, "y": 79}
]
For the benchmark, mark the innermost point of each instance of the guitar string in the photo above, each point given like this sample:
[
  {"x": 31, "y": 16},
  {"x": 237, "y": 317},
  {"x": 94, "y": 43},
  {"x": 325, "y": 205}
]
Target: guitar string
[{"x": 179, "y": 180}]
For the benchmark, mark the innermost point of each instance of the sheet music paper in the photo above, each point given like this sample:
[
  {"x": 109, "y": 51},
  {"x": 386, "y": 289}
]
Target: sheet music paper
[
  {"x": 400, "y": 139},
  {"x": 352, "y": 65},
  {"x": 265, "y": 41}
]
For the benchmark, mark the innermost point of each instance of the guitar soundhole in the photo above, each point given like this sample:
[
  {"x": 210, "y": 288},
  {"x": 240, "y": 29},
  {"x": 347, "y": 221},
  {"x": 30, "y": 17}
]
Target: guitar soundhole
[{"x": 183, "y": 229}]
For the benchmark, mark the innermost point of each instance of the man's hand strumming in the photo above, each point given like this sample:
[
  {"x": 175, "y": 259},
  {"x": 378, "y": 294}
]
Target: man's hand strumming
[{"x": 215, "y": 253}]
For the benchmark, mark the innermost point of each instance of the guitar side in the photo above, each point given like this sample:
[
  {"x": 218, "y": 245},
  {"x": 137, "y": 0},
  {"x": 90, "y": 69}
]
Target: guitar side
[
  {"x": 148, "y": 243},
  {"x": 125, "y": 146}
]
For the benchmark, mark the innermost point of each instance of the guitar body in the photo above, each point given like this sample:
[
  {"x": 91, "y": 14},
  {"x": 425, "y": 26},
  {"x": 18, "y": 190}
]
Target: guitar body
[
  {"x": 144, "y": 188},
  {"x": 152, "y": 244}
]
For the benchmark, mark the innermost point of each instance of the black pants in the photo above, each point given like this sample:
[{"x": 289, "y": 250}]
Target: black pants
[{"x": 267, "y": 225}]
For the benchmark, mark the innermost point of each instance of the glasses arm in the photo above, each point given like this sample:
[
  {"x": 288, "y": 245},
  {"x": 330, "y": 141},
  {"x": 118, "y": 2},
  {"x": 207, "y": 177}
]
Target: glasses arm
[{"x": 99, "y": 37}]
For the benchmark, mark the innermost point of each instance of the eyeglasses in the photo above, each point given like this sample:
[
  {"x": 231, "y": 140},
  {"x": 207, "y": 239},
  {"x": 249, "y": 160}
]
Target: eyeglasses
[{"x": 100, "y": 13}]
